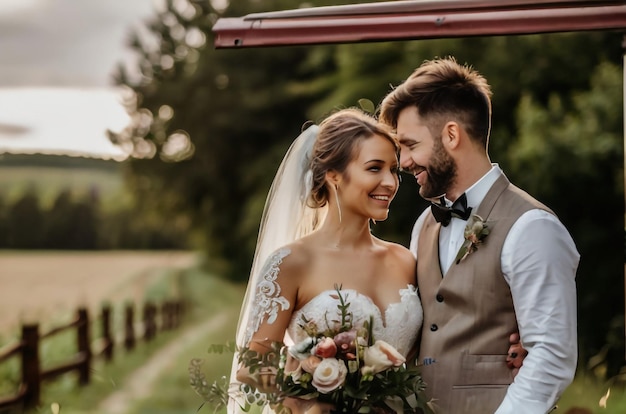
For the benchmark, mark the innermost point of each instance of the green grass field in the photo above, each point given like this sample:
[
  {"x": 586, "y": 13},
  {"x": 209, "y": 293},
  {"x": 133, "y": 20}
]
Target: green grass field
[
  {"x": 48, "y": 175},
  {"x": 172, "y": 393},
  {"x": 48, "y": 182},
  {"x": 148, "y": 277}
]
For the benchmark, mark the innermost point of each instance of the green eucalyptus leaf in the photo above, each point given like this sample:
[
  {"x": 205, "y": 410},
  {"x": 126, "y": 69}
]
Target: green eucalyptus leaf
[{"x": 367, "y": 106}]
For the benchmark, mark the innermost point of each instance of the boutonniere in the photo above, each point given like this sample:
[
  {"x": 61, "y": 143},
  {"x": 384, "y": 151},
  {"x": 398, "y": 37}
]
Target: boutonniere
[{"x": 475, "y": 232}]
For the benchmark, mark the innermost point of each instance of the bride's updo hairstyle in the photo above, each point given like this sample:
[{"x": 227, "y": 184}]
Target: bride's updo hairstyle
[{"x": 337, "y": 143}]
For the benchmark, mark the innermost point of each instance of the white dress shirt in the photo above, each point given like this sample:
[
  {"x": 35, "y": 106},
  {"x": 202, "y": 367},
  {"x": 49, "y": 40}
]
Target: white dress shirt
[{"x": 539, "y": 261}]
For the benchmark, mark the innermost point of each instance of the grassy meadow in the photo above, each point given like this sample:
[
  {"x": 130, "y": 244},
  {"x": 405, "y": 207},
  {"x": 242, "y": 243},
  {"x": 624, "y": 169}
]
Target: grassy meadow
[
  {"x": 48, "y": 175},
  {"x": 48, "y": 286},
  {"x": 206, "y": 296}
]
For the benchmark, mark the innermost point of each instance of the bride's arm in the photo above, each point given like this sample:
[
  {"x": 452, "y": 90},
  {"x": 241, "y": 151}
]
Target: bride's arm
[
  {"x": 274, "y": 300},
  {"x": 280, "y": 288}
]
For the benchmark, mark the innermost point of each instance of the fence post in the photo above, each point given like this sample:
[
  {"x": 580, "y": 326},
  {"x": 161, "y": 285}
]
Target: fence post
[
  {"x": 31, "y": 373},
  {"x": 149, "y": 324},
  {"x": 106, "y": 333},
  {"x": 129, "y": 329},
  {"x": 83, "y": 346}
]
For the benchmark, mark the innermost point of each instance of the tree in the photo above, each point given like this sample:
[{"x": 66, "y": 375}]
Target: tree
[
  {"x": 84, "y": 231},
  {"x": 573, "y": 160},
  {"x": 25, "y": 222},
  {"x": 59, "y": 221},
  {"x": 72, "y": 224},
  {"x": 4, "y": 235}
]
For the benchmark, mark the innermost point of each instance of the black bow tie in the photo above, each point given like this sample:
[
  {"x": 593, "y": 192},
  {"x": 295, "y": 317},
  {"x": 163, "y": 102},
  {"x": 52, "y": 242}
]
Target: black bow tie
[{"x": 444, "y": 214}]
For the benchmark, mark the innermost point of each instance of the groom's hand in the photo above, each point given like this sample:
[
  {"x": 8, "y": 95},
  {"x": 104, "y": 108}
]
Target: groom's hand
[{"x": 516, "y": 354}]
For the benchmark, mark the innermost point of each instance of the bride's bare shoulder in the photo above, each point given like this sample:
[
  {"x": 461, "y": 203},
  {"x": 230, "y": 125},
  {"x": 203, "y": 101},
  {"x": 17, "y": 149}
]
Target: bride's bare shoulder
[
  {"x": 394, "y": 248},
  {"x": 297, "y": 257},
  {"x": 399, "y": 254}
]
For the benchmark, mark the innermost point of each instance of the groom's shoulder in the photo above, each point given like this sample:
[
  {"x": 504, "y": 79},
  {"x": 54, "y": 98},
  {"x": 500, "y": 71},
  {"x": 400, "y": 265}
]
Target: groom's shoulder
[{"x": 519, "y": 200}]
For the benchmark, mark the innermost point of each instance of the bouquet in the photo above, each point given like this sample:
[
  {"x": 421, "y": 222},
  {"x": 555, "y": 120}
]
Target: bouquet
[{"x": 338, "y": 364}]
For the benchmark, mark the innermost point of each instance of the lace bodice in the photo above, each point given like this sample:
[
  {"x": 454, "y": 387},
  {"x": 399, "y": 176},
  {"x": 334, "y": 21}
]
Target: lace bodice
[{"x": 398, "y": 326}]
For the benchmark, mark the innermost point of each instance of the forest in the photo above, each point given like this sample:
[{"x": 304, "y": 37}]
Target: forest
[
  {"x": 209, "y": 128},
  {"x": 59, "y": 202}
]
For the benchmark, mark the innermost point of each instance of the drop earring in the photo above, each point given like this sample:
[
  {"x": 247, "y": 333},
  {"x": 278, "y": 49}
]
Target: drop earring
[{"x": 337, "y": 198}]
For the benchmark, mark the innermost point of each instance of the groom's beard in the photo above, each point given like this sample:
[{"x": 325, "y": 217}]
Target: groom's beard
[{"x": 441, "y": 173}]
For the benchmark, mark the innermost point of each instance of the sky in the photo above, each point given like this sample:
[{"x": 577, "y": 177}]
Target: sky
[{"x": 57, "y": 58}]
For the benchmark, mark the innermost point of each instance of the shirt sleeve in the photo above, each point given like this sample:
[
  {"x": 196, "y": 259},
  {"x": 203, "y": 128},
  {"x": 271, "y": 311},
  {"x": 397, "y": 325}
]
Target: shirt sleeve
[
  {"x": 539, "y": 262},
  {"x": 417, "y": 227}
]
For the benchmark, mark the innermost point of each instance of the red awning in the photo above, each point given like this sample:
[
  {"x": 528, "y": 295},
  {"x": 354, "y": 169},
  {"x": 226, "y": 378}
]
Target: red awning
[{"x": 418, "y": 19}]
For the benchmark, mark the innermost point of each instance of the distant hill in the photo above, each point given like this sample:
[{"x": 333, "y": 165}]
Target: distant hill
[
  {"x": 48, "y": 175},
  {"x": 57, "y": 161}
]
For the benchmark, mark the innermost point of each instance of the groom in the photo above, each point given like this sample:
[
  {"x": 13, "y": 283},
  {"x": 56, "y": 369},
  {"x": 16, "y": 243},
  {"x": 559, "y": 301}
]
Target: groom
[{"x": 515, "y": 273}]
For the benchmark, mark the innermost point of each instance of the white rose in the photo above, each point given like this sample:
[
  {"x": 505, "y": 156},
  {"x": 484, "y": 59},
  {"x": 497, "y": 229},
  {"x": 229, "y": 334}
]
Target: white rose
[
  {"x": 302, "y": 350},
  {"x": 381, "y": 356},
  {"x": 329, "y": 375}
]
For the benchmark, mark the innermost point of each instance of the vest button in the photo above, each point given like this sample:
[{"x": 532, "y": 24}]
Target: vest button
[
  {"x": 434, "y": 327},
  {"x": 439, "y": 298}
]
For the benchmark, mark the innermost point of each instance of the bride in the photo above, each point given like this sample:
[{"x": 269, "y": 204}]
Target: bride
[{"x": 315, "y": 234}]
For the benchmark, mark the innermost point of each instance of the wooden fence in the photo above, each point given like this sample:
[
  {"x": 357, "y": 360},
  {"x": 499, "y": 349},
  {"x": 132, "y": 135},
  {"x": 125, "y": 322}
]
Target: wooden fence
[{"x": 154, "y": 319}]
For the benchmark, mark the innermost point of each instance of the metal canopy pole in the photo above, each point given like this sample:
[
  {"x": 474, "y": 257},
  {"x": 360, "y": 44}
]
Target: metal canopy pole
[
  {"x": 406, "y": 20},
  {"x": 624, "y": 122}
]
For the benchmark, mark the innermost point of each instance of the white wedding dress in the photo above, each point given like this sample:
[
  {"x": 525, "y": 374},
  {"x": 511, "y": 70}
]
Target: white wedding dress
[{"x": 398, "y": 325}]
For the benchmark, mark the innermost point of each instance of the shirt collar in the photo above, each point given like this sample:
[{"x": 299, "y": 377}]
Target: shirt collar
[{"x": 477, "y": 192}]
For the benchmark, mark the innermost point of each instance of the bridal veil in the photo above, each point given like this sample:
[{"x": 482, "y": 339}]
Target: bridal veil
[{"x": 286, "y": 218}]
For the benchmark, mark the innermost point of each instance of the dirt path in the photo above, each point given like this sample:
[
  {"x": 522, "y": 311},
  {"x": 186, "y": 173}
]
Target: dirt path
[{"x": 140, "y": 384}]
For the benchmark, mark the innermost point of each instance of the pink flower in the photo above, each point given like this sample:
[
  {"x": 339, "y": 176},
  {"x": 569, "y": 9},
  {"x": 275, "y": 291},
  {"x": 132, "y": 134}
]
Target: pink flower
[
  {"x": 475, "y": 233},
  {"x": 326, "y": 348},
  {"x": 346, "y": 342},
  {"x": 473, "y": 239},
  {"x": 310, "y": 364}
]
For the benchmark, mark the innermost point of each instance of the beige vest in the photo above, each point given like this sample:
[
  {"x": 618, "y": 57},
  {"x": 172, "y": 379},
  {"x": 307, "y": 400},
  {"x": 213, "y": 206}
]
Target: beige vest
[{"x": 469, "y": 313}]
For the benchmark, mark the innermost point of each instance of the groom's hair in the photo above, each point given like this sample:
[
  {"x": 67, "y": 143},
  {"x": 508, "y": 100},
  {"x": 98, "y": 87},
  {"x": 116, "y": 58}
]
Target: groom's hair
[
  {"x": 336, "y": 145},
  {"x": 443, "y": 90}
]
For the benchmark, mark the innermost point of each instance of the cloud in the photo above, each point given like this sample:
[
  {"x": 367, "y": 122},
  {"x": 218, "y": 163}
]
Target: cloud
[
  {"x": 56, "y": 62},
  {"x": 66, "y": 42},
  {"x": 63, "y": 121},
  {"x": 12, "y": 130}
]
